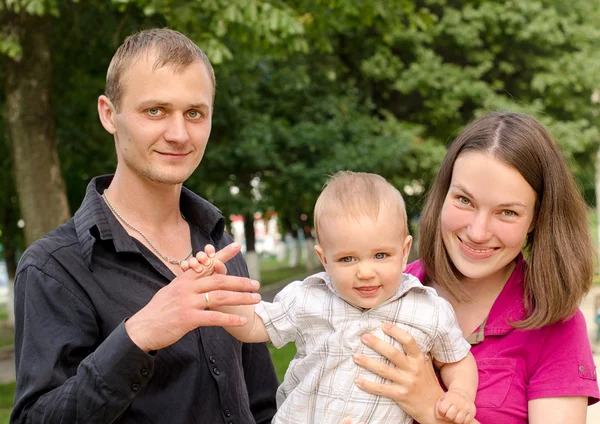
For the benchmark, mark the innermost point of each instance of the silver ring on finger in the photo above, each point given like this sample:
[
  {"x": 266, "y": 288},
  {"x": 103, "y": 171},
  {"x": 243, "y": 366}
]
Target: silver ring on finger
[{"x": 207, "y": 300}]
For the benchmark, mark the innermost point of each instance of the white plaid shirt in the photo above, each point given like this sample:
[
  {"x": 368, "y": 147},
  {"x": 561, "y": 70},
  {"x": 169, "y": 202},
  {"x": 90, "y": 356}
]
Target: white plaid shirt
[{"x": 319, "y": 384}]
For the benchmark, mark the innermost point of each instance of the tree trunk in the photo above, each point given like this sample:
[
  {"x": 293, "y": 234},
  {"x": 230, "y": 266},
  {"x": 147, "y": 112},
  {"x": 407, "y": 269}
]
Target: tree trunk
[
  {"x": 251, "y": 256},
  {"x": 30, "y": 128},
  {"x": 598, "y": 203}
]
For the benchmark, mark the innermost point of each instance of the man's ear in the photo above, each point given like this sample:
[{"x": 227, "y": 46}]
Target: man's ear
[
  {"x": 107, "y": 113},
  {"x": 321, "y": 255}
]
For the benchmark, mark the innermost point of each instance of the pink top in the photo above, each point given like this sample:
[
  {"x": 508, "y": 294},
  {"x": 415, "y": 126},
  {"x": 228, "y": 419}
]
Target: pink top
[{"x": 516, "y": 366}]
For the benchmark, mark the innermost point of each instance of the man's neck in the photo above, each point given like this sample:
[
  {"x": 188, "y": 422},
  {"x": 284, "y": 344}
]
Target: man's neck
[{"x": 144, "y": 202}]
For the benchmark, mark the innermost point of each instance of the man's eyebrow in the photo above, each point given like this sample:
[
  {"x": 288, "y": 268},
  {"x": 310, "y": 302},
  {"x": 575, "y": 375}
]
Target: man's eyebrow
[
  {"x": 198, "y": 105},
  {"x": 146, "y": 103}
]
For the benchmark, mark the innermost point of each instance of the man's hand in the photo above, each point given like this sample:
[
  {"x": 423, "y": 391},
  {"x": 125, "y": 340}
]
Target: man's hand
[{"x": 181, "y": 305}]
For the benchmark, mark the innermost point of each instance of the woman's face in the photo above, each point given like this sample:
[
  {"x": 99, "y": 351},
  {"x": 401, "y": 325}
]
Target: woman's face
[{"x": 486, "y": 216}]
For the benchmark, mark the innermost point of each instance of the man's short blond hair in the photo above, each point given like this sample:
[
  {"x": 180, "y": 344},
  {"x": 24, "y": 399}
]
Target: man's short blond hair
[
  {"x": 171, "y": 48},
  {"x": 357, "y": 194}
]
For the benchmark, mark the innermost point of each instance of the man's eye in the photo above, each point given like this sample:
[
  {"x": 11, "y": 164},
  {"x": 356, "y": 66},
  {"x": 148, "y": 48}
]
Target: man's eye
[
  {"x": 153, "y": 112},
  {"x": 194, "y": 114}
]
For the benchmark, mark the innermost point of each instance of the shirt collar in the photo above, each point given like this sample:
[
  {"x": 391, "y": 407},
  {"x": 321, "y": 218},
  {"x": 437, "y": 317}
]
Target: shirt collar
[
  {"x": 94, "y": 219},
  {"x": 509, "y": 306}
]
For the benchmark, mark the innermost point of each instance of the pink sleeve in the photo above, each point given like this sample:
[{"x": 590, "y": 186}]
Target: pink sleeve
[
  {"x": 565, "y": 365},
  {"x": 416, "y": 269}
]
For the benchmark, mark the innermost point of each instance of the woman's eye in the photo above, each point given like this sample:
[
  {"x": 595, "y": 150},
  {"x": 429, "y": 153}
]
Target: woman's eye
[
  {"x": 463, "y": 200},
  {"x": 507, "y": 212}
]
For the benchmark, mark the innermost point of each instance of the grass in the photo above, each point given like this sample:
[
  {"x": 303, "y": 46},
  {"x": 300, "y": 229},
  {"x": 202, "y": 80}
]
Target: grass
[
  {"x": 272, "y": 271},
  {"x": 281, "y": 358},
  {"x": 7, "y": 394}
]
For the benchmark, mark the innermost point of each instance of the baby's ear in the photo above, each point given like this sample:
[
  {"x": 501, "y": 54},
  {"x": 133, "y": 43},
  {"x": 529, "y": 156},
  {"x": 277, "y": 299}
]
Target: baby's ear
[
  {"x": 321, "y": 254},
  {"x": 406, "y": 250}
]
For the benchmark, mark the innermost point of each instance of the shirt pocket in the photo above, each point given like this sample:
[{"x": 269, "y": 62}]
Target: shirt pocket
[{"x": 495, "y": 378}]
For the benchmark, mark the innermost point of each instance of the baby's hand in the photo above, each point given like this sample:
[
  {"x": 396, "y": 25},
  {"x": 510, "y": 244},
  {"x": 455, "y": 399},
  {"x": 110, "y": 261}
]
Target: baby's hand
[
  {"x": 205, "y": 263},
  {"x": 456, "y": 407}
]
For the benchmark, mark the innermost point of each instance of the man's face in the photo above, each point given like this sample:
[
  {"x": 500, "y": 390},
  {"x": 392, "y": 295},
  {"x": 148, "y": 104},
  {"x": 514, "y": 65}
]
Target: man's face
[{"x": 164, "y": 121}]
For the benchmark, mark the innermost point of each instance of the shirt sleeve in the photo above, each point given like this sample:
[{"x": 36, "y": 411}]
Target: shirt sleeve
[
  {"x": 63, "y": 374},
  {"x": 565, "y": 365},
  {"x": 279, "y": 317},
  {"x": 449, "y": 345}
]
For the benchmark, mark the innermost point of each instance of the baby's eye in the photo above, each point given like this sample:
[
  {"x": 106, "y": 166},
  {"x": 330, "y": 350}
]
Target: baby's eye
[
  {"x": 381, "y": 255},
  {"x": 346, "y": 259}
]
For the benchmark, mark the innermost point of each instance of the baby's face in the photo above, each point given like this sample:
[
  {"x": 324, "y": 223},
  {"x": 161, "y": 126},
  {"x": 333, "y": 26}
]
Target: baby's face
[{"x": 364, "y": 257}]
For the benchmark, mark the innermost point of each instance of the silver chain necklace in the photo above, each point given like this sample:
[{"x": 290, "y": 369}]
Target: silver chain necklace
[{"x": 165, "y": 257}]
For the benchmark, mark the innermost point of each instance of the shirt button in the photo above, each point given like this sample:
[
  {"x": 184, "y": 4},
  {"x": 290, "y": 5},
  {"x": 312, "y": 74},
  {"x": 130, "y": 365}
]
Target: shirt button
[
  {"x": 212, "y": 359},
  {"x": 216, "y": 371},
  {"x": 581, "y": 368},
  {"x": 135, "y": 387},
  {"x": 144, "y": 372},
  {"x": 227, "y": 413}
]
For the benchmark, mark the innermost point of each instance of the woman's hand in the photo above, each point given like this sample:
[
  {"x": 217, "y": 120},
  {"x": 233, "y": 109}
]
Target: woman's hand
[{"x": 414, "y": 387}]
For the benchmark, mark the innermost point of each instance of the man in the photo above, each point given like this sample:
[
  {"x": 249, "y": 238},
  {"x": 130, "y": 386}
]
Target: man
[{"x": 108, "y": 327}]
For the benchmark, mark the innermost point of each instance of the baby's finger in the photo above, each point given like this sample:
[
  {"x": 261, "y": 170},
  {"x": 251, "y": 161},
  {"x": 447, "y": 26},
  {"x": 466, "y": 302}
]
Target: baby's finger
[
  {"x": 451, "y": 413},
  {"x": 210, "y": 250},
  {"x": 195, "y": 265},
  {"x": 203, "y": 258},
  {"x": 460, "y": 417},
  {"x": 185, "y": 265}
]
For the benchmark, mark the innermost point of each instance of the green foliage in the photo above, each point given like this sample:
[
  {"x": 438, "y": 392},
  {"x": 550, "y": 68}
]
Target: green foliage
[{"x": 308, "y": 87}]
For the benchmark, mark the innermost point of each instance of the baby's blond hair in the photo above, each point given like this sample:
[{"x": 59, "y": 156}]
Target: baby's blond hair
[{"x": 357, "y": 194}]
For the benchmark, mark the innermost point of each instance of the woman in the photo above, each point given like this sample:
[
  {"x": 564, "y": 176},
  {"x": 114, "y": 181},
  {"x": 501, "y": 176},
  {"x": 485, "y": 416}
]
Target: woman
[{"x": 503, "y": 188}]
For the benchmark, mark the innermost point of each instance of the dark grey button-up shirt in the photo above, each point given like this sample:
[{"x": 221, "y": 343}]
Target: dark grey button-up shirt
[{"x": 75, "y": 362}]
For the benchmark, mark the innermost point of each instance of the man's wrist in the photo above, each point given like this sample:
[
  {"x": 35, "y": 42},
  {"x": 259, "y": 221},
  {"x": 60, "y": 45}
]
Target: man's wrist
[{"x": 133, "y": 334}]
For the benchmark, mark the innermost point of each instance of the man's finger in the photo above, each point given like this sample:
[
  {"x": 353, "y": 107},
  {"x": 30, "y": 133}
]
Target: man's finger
[
  {"x": 220, "y": 267},
  {"x": 218, "y": 319},
  {"x": 228, "y": 252},
  {"x": 220, "y": 282},
  {"x": 220, "y": 298}
]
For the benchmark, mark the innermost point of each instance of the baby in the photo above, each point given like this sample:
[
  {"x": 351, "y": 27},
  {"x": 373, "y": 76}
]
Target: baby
[{"x": 363, "y": 244}]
